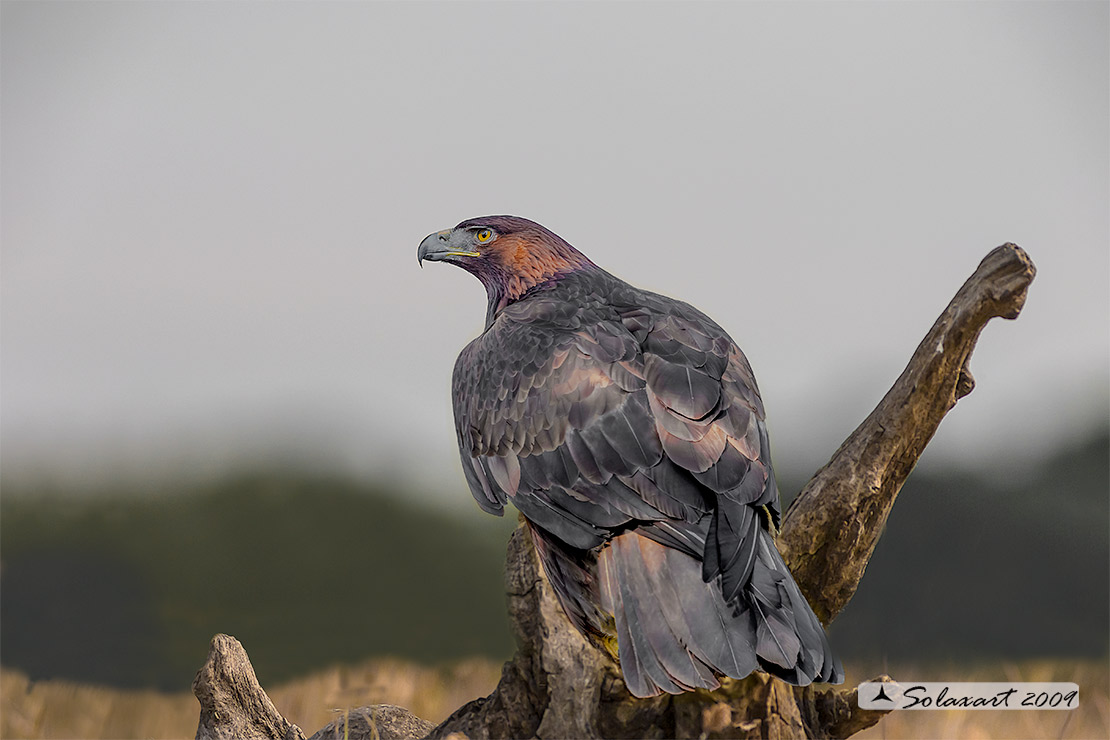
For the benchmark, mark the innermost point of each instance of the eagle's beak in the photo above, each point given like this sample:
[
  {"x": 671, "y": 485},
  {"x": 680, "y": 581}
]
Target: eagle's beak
[{"x": 438, "y": 246}]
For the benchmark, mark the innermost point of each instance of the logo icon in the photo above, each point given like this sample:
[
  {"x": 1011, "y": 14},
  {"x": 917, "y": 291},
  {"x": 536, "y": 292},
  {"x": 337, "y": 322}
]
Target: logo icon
[{"x": 881, "y": 696}]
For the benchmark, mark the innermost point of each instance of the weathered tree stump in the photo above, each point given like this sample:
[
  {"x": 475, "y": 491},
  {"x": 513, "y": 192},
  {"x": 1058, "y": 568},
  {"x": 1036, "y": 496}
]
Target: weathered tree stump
[
  {"x": 557, "y": 685},
  {"x": 232, "y": 704}
]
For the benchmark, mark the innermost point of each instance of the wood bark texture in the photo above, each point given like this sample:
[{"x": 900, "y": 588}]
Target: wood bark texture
[
  {"x": 559, "y": 686},
  {"x": 832, "y": 527},
  {"x": 232, "y": 703}
]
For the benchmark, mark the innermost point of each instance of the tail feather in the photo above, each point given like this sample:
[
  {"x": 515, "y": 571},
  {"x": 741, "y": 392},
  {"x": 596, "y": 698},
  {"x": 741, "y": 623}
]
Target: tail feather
[
  {"x": 814, "y": 660},
  {"x": 742, "y": 524},
  {"x": 667, "y": 636},
  {"x": 699, "y": 608},
  {"x": 656, "y": 630},
  {"x": 636, "y": 678},
  {"x": 675, "y": 631},
  {"x": 791, "y": 641}
]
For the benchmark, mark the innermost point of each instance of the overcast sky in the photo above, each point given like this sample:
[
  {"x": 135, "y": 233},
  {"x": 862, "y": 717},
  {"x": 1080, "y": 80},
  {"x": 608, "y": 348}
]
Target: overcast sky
[{"x": 210, "y": 211}]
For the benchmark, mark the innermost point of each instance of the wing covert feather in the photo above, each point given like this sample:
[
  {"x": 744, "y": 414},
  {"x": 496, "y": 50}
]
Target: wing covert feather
[{"x": 596, "y": 419}]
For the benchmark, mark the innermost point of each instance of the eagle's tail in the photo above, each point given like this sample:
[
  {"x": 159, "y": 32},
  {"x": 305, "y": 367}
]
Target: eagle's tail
[
  {"x": 676, "y": 632},
  {"x": 789, "y": 640}
]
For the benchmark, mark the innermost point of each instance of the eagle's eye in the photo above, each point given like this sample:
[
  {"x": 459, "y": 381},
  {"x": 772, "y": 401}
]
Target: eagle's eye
[{"x": 484, "y": 236}]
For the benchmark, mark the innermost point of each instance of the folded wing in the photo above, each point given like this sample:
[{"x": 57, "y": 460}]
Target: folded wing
[{"x": 632, "y": 440}]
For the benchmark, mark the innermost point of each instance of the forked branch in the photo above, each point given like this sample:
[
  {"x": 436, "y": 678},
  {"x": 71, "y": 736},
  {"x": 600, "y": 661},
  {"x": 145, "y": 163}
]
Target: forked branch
[{"x": 832, "y": 527}]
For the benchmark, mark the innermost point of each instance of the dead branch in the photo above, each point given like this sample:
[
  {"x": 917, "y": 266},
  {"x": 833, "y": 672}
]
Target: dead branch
[{"x": 833, "y": 525}]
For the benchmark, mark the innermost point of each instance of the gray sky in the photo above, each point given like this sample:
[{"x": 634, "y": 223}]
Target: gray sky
[{"x": 211, "y": 211}]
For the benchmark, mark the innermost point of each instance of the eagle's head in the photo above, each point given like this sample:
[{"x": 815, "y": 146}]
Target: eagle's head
[{"x": 509, "y": 254}]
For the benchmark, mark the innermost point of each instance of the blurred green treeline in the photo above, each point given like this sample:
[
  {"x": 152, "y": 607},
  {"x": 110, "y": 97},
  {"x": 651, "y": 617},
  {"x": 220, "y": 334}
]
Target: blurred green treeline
[{"x": 126, "y": 588}]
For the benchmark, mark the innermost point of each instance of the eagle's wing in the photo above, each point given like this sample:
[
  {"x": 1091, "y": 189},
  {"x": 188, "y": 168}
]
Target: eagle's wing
[{"x": 640, "y": 427}]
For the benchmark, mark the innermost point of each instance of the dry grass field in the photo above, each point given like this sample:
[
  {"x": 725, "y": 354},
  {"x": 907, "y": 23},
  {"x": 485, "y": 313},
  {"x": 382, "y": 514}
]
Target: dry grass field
[
  {"x": 58, "y": 709},
  {"x": 55, "y": 709}
]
